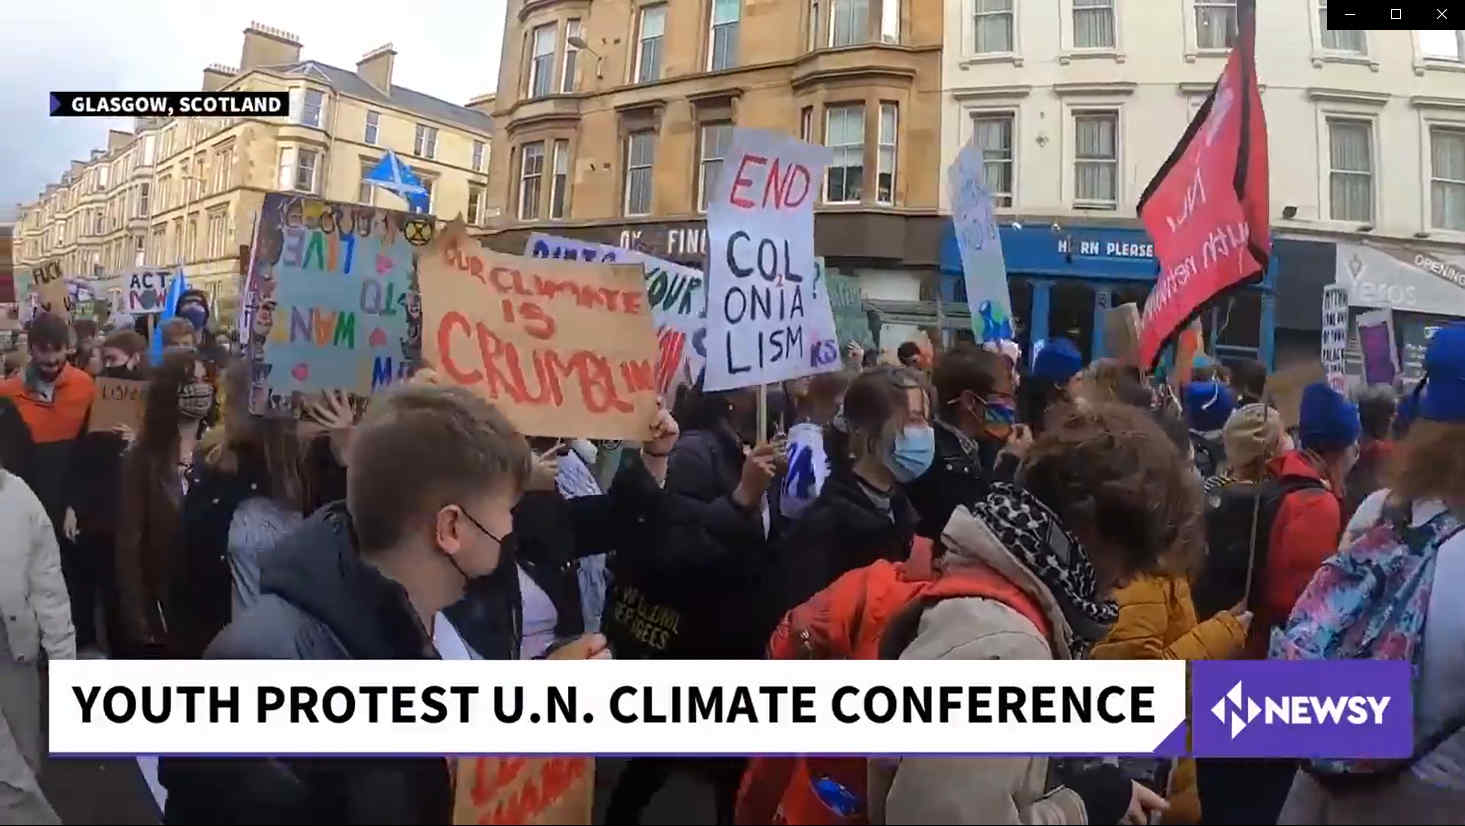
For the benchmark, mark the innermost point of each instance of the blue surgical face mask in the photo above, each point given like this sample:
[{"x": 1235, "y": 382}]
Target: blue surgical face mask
[{"x": 911, "y": 452}]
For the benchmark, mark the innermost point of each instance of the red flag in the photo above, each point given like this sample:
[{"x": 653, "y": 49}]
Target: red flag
[{"x": 1208, "y": 206}]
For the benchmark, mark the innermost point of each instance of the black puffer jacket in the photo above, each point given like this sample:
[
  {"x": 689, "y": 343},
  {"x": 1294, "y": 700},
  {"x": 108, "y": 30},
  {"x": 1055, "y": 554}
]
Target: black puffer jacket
[
  {"x": 318, "y": 601},
  {"x": 960, "y": 474},
  {"x": 842, "y": 530}
]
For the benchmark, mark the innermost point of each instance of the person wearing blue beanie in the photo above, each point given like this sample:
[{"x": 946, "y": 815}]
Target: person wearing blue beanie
[
  {"x": 1208, "y": 404},
  {"x": 1327, "y": 422},
  {"x": 1056, "y": 367},
  {"x": 1057, "y": 360}
]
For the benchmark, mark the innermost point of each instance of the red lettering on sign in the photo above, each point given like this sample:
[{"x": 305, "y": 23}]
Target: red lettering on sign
[
  {"x": 537, "y": 322},
  {"x": 496, "y": 274},
  {"x": 740, "y": 181},
  {"x": 452, "y": 319}
]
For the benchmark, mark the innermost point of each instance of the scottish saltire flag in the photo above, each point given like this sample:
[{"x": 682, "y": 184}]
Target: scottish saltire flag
[
  {"x": 176, "y": 288},
  {"x": 396, "y": 177}
]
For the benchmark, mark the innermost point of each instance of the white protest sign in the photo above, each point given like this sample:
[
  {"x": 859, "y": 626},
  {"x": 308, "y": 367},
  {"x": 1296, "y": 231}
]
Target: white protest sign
[
  {"x": 982, "y": 263},
  {"x": 768, "y": 316},
  {"x": 1335, "y": 335},
  {"x": 677, "y": 296},
  {"x": 147, "y": 292}
]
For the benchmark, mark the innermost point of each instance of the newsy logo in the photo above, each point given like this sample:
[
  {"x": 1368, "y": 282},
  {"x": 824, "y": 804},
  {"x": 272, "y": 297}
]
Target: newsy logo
[{"x": 1346, "y": 708}]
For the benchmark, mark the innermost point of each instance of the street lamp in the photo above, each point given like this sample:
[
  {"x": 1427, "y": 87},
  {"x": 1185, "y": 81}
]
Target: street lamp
[{"x": 579, "y": 42}]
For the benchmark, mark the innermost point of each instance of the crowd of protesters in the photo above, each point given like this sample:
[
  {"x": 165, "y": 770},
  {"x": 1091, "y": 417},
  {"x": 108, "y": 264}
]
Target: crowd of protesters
[{"x": 1052, "y": 510}]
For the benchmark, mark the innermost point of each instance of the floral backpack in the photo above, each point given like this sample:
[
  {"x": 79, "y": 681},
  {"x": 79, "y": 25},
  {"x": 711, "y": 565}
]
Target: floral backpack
[{"x": 1368, "y": 601}]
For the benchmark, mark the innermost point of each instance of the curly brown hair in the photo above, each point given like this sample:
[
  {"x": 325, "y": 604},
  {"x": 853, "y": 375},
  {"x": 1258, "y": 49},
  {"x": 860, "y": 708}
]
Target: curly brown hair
[
  {"x": 1430, "y": 463},
  {"x": 1111, "y": 469}
]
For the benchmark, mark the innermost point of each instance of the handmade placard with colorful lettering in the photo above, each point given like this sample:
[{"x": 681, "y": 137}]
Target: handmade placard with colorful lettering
[
  {"x": 563, "y": 348},
  {"x": 331, "y": 300}
]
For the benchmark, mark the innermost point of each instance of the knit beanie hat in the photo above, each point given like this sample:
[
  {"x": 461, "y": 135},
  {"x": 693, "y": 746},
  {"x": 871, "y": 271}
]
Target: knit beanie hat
[
  {"x": 1444, "y": 371},
  {"x": 1326, "y": 420},
  {"x": 1208, "y": 404},
  {"x": 1252, "y": 432},
  {"x": 1056, "y": 359}
]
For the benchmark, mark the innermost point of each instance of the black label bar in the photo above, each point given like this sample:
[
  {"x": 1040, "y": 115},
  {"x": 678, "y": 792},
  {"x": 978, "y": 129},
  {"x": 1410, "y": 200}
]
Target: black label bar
[
  {"x": 169, "y": 104},
  {"x": 1394, "y": 14}
]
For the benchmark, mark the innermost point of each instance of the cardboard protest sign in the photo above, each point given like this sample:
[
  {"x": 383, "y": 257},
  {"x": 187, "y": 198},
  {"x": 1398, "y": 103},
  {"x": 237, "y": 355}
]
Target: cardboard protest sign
[
  {"x": 1284, "y": 389},
  {"x": 118, "y": 402},
  {"x": 1376, "y": 340},
  {"x": 1121, "y": 333},
  {"x": 847, "y": 304},
  {"x": 676, "y": 294},
  {"x": 530, "y": 790},
  {"x": 982, "y": 263},
  {"x": 1335, "y": 335},
  {"x": 561, "y": 347},
  {"x": 146, "y": 292},
  {"x": 51, "y": 290},
  {"x": 768, "y": 317},
  {"x": 331, "y": 300}
]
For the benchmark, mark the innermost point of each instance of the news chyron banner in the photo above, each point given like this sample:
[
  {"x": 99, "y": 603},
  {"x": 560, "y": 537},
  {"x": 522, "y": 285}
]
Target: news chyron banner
[{"x": 544, "y": 707}]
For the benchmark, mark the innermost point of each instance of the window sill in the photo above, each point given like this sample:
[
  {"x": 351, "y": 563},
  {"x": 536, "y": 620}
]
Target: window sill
[
  {"x": 1321, "y": 57},
  {"x": 1192, "y": 54},
  {"x": 1067, "y": 57},
  {"x": 994, "y": 57},
  {"x": 1095, "y": 206},
  {"x": 1438, "y": 64}
]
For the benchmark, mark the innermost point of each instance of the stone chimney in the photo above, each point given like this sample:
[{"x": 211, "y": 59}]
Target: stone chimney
[
  {"x": 483, "y": 103},
  {"x": 268, "y": 46},
  {"x": 375, "y": 67},
  {"x": 216, "y": 76},
  {"x": 116, "y": 139}
]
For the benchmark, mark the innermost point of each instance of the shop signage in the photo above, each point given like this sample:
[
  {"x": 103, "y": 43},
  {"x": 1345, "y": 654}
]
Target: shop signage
[
  {"x": 1101, "y": 248},
  {"x": 1400, "y": 278}
]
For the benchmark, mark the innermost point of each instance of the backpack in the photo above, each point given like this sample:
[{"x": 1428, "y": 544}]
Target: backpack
[
  {"x": 1229, "y": 516},
  {"x": 1210, "y": 454},
  {"x": 1369, "y": 601},
  {"x": 868, "y": 613}
]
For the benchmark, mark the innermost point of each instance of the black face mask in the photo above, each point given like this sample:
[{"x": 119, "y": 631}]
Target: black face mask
[{"x": 121, "y": 373}]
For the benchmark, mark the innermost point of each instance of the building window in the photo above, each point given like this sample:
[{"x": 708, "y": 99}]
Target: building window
[
  {"x": 806, "y": 124},
  {"x": 993, "y": 136},
  {"x": 648, "y": 46},
  {"x": 531, "y": 171},
  {"x": 849, "y": 21},
  {"x": 190, "y": 242},
  {"x": 367, "y": 193},
  {"x": 716, "y": 137},
  {"x": 572, "y": 55},
  {"x": 478, "y": 156},
  {"x": 305, "y": 170},
  {"x": 1096, "y": 160},
  {"x": 373, "y": 125},
  {"x": 813, "y": 40},
  {"x": 640, "y": 153},
  {"x": 541, "y": 65},
  {"x": 993, "y": 26},
  {"x": 475, "y": 204},
  {"x": 1442, "y": 45},
  {"x": 310, "y": 113},
  {"x": 723, "y": 34},
  {"x": 424, "y": 145},
  {"x": 1215, "y": 24},
  {"x": 1350, "y": 158},
  {"x": 559, "y": 186},
  {"x": 844, "y": 134},
  {"x": 142, "y": 201},
  {"x": 885, "y": 168},
  {"x": 1341, "y": 40},
  {"x": 890, "y": 21},
  {"x": 1093, "y": 24},
  {"x": 1447, "y": 178}
]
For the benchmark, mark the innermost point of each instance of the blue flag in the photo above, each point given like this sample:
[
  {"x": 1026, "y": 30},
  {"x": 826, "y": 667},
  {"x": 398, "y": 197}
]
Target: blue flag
[
  {"x": 176, "y": 288},
  {"x": 396, "y": 177}
]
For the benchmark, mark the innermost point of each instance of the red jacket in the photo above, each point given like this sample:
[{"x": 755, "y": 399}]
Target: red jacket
[
  {"x": 1305, "y": 532},
  {"x": 54, "y": 427}
]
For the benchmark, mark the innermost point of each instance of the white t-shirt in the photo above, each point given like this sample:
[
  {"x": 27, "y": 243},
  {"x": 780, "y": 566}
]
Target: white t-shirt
[{"x": 1442, "y": 664}]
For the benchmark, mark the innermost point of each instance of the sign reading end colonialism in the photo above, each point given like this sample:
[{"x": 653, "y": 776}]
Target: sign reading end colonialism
[{"x": 169, "y": 104}]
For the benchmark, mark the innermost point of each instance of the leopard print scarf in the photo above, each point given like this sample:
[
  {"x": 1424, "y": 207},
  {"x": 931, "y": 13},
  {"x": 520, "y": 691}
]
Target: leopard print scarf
[{"x": 1032, "y": 533}]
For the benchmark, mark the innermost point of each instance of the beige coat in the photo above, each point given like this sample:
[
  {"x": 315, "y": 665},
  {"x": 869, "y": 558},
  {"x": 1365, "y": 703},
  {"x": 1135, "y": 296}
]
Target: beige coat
[{"x": 986, "y": 789}]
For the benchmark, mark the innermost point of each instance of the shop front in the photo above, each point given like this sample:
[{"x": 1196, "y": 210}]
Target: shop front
[
  {"x": 1063, "y": 279},
  {"x": 1423, "y": 287}
]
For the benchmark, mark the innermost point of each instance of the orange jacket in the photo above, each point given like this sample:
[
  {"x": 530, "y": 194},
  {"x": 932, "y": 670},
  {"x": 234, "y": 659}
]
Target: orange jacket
[
  {"x": 1305, "y": 532},
  {"x": 62, "y": 418}
]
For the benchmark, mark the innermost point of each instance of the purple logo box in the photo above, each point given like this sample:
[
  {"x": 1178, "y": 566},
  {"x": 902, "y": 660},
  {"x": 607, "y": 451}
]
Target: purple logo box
[{"x": 1336, "y": 708}]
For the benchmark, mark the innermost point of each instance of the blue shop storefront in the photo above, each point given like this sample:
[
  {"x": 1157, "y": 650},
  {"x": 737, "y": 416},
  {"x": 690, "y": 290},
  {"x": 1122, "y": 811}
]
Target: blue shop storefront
[{"x": 1064, "y": 278}]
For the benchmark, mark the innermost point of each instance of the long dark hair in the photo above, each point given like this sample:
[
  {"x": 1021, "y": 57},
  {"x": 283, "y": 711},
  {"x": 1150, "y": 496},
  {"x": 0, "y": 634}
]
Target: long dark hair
[
  {"x": 869, "y": 406},
  {"x": 157, "y": 444},
  {"x": 269, "y": 448}
]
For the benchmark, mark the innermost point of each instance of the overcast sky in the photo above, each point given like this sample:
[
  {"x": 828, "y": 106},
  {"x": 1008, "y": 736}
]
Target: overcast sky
[{"x": 445, "y": 48}]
